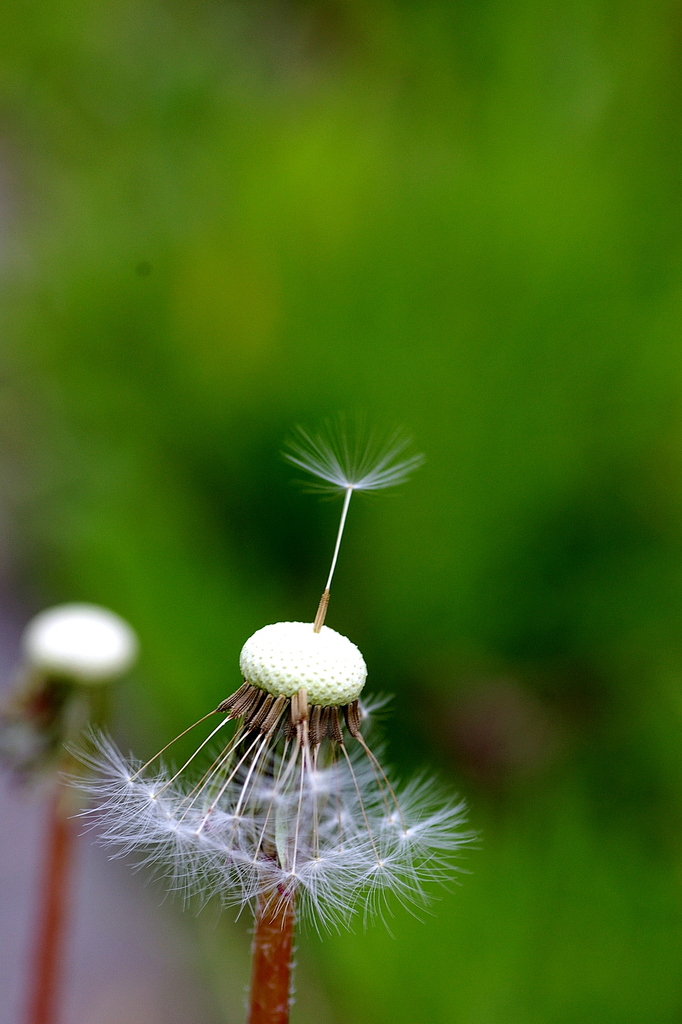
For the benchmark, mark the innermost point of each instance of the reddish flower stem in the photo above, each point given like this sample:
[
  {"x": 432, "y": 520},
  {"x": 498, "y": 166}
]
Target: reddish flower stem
[
  {"x": 48, "y": 951},
  {"x": 273, "y": 941}
]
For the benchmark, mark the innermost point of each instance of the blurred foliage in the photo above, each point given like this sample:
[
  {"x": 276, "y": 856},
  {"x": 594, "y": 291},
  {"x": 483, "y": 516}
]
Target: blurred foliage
[{"x": 226, "y": 218}]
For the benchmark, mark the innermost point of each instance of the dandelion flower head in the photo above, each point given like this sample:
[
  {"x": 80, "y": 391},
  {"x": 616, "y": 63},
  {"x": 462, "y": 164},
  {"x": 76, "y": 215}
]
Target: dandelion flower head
[
  {"x": 80, "y": 641},
  {"x": 70, "y": 652},
  {"x": 292, "y": 804}
]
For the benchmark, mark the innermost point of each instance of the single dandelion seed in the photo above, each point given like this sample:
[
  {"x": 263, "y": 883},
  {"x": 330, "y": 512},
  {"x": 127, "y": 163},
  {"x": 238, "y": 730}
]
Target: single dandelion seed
[
  {"x": 346, "y": 457},
  {"x": 294, "y": 813}
]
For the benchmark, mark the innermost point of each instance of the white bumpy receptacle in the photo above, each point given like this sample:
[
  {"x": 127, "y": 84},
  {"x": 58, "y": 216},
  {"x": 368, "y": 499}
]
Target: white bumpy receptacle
[{"x": 286, "y": 656}]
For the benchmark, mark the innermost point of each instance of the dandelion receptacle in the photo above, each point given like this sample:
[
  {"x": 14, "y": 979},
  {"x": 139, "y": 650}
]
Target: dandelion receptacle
[{"x": 292, "y": 813}]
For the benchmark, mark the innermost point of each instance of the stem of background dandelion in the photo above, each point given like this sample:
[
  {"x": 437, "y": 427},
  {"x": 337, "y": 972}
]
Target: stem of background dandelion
[
  {"x": 273, "y": 944},
  {"x": 49, "y": 948}
]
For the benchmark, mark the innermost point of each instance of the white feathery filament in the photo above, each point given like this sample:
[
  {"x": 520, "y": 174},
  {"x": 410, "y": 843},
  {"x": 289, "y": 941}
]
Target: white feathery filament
[
  {"x": 316, "y": 821},
  {"x": 344, "y": 457},
  {"x": 339, "y": 535}
]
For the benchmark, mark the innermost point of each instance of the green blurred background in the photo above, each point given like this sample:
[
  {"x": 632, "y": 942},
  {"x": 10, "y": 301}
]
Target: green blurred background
[{"x": 225, "y": 218}]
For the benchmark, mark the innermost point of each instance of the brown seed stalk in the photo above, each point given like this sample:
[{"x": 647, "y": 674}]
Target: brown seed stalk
[{"x": 321, "y": 611}]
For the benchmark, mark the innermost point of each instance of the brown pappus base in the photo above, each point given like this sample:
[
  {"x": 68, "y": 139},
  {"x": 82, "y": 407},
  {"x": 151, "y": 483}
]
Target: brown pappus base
[{"x": 266, "y": 714}]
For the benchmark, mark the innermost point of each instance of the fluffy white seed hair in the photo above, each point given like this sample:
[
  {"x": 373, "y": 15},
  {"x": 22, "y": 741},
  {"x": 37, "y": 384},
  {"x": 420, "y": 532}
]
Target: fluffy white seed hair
[
  {"x": 285, "y": 656},
  {"x": 345, "y": 455},
  {"x": 82, "y": 641},
  {"x": 326, "y": 828}
]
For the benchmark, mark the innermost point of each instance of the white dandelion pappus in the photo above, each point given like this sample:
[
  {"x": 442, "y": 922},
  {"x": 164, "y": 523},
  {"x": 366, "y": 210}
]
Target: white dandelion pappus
[
  {"x": 293, "y": 805},
  {"x": 347, "y": 456},
  {"x": 301, "y": 809}
]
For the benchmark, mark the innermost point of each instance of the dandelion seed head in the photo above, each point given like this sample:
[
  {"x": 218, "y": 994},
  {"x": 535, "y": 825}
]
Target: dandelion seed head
[
  {"x": 318, "y": 821},
  {"x": 80, "y": 641},
  {"x": 66, "y": 650},
  {"x": 292, "y": 804},
  {"x": 285, "y": 656}
]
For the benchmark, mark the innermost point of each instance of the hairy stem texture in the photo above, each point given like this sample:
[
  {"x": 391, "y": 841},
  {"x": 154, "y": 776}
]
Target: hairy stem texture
[
  {"x": 272, "y": 953},
  {"x": 48, "y": 950}
]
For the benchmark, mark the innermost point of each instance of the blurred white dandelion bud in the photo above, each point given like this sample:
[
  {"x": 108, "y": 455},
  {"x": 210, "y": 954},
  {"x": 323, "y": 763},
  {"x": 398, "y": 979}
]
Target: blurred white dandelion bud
[
  {"x": 82, "y": 642},
  {"x": 65, "y": 650},
  {"x": 294, "y": 805}
]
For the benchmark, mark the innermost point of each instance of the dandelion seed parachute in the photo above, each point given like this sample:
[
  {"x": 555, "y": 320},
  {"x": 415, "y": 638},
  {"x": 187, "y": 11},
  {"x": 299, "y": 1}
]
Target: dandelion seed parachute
[
  {"x": 346, "y": 455},
  {"x": 300, "y": 808},
  {"x": 293, "y": 805}
]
